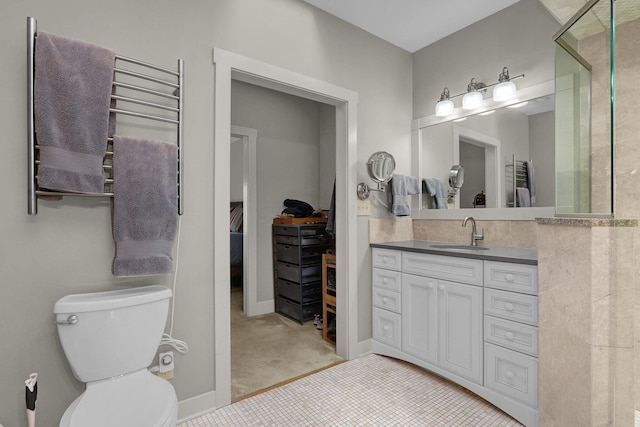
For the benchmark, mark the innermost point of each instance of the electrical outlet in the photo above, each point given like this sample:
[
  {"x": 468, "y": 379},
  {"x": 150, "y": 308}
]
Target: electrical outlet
[
  {"x": 165, "y": 361},
  {"x": 364, "y": 207}
]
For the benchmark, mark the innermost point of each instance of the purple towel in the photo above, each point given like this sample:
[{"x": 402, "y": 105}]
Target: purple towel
[
  {"x": 145, "y": 205},
  {"x": 73, "y": 83}
]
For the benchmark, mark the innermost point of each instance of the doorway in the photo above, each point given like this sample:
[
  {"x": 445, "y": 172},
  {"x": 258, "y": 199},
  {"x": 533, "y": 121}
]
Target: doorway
[
  {"x": 294, "y": 154},
  {"x": 489, "y": 169},
  {"x": 228, "y": 67}
]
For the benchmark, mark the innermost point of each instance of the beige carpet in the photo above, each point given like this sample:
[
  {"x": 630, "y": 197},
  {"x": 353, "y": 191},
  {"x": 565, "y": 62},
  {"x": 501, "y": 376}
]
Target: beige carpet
[{"x": 270, "y": 349}]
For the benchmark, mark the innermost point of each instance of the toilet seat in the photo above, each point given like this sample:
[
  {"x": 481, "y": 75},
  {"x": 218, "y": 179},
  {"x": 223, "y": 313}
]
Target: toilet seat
[{"x": 139, "y": 399}]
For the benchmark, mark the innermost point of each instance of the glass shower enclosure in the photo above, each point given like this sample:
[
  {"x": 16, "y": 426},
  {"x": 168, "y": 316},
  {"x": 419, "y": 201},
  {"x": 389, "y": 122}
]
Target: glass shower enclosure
[{"x": 584, "y": 111}]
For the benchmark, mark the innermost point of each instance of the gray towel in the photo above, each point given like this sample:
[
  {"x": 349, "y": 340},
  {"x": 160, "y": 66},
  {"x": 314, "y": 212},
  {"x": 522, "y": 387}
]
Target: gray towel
[
  {"x": 531, "y": 182},
  {"x": 145, "y": 205},
  {"x": 441, "y": 194},
  {"x": 438, "y": 192},
  {"x": 400, "y": 187},
  {"x": 73, "y": 83},
  {"x": 523, "y": 196}
]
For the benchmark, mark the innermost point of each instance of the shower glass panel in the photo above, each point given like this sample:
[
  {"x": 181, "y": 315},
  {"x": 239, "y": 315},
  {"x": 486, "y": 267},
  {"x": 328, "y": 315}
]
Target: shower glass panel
[{"x": 584, "y": 112}]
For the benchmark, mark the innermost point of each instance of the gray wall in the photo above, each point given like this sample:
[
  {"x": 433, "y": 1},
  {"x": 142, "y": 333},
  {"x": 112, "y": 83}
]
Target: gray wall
[
  {"x": 68, "y": 246},
  {"x": 236, "y": 182}
]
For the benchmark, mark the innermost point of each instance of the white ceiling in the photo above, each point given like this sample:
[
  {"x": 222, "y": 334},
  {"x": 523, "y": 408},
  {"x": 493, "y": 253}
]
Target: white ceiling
[{"x": 411, "y": 24}]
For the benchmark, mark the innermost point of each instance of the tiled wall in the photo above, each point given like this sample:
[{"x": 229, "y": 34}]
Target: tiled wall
[{"x": 585, "y": 304}]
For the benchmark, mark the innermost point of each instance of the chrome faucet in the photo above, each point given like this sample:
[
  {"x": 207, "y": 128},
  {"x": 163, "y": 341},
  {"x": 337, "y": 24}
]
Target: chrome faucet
[{"x": 474, "y": 235}]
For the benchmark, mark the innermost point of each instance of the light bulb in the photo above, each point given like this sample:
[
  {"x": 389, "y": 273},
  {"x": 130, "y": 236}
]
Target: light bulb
[
  {"x": 504, "y": 91},
  {"x": 444, "y": 108},
  {"x": 472, "y": 100}
]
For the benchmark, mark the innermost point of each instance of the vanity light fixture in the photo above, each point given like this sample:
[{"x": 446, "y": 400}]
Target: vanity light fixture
[
  {"x": 473, "y": 98},
  {"x": 444, "y": 107},
  {"x": 504, "y": 90}
]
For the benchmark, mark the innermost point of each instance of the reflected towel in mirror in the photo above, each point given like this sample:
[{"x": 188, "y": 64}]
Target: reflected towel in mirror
[{"x": 438, "y": 192}]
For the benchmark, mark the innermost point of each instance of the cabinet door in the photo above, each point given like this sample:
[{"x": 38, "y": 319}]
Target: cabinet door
[
  {"x": 419, "y": 317},
  {"x": 460, "y": 329}
]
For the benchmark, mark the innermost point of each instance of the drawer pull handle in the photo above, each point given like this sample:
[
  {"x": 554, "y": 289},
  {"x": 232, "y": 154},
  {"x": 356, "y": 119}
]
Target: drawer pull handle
[
  {"x": 385, "y": 328},
  {"x": 441, "y": 287},
  {"x": 509, "y": 336},
  {"x": 384, "y": 300},
  {"x": 510, "y": 375},
  {"x": 430, "y": 285},
  {"x": 385, "y": 280},
  {"x": 508, "y": 306},
  {"x": 509, "y": 277}
]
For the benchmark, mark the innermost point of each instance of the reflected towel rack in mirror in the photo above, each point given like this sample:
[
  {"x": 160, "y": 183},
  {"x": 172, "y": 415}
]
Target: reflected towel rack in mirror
[
  {"x": 519, "y": 178},
  {"x": 151, "y": 81}
]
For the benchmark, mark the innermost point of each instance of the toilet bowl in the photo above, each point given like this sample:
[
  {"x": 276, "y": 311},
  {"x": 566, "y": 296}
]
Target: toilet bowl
[{"x": 109, "y": 339}]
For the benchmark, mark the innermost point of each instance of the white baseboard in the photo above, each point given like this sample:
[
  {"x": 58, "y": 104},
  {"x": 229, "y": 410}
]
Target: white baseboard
[
  {"x": 362, "y": 348},
  {"x": 263, "y": 307},
  {"x": 196, "y": 406}
]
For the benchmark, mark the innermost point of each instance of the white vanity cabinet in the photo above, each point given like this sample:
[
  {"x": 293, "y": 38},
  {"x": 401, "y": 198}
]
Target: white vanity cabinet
[
  {"x": 511, "y": 331},
  {"x": 442, "y": 319},
  {"x": 387, "y": 305},
  {"x": 473, "y": 321}
]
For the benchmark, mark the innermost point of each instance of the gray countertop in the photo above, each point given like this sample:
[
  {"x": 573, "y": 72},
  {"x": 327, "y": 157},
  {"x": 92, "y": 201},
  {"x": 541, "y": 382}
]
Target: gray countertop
[{"x": 491, "y": 253}]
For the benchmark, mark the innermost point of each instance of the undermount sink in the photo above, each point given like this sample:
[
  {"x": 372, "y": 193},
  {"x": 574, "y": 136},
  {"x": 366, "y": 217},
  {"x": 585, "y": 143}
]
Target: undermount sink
[{"x": 465, "y": 247}]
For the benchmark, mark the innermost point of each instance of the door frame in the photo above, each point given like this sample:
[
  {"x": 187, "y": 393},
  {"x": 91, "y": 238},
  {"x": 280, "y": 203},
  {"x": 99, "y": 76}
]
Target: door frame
[
  {"x": 250, "y": 305},
  {"x": 229, "y": 66}
]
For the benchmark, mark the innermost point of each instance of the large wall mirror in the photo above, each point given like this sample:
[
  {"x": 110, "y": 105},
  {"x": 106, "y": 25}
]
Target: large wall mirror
[{"x": 494, "y": 144}]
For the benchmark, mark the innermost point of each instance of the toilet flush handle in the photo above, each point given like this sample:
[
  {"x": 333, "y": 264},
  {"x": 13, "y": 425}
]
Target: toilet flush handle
[{"x": 71, "y": 320}]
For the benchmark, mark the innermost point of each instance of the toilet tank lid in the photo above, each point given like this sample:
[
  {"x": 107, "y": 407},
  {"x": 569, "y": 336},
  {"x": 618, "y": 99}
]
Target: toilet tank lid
[{"x": 109, "y": 300}]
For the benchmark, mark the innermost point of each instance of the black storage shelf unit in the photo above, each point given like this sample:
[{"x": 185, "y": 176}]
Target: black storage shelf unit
[{"x": 297, "y": 265}]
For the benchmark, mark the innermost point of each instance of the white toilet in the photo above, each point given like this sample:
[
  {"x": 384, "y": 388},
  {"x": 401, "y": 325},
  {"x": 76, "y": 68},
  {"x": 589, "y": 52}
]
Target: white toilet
[{"x": 110, "y": 338}]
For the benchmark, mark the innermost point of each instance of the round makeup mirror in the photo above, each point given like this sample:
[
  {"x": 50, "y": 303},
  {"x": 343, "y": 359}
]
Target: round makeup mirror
[
  {"x": 456, "y": 176},
  {"x": 381, "y": 166}
]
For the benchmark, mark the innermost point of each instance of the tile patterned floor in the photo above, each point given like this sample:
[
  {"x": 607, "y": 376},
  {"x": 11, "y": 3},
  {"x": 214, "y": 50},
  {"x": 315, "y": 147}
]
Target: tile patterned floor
[{"x": 370, "y": 391}]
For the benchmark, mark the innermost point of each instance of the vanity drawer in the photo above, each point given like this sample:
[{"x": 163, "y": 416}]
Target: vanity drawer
[
  {"x": 386, "y": 279},
  {"x": 513, "y": 335},
  {"x": 388, "y": 300},
  {"x": 511, "y": 305},
  {"x": 386, "y": 258},
  {"x": 512, "y": 374},
  {"x": 462, "y": 270},
  {"x": 511, "y": 277},
  {"x": 386, "y": 327}
]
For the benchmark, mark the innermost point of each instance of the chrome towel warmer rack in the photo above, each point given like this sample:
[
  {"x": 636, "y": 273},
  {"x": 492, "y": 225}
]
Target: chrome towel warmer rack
[
  {"x": 155, "y": 89},
  {"x": 520, "y": 178}
]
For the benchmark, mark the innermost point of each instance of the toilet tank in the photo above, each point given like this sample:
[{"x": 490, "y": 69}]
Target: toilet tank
[{"x": 116, "y": 332}]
